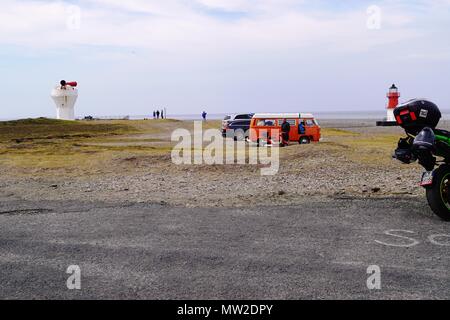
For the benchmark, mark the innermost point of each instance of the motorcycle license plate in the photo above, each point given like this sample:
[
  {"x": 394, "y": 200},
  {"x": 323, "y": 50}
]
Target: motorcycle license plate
[{"x": 427, "y": 179}]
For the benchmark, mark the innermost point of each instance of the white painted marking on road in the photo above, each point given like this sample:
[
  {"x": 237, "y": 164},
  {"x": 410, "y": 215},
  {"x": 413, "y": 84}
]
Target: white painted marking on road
[
  {"x": 433, "y": 240},
  {"x": 392, "y": 233}
]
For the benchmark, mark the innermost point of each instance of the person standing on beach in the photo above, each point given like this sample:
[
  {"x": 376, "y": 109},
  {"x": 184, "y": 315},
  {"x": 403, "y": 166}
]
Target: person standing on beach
[
  {"x": 162, "y": 114},
  {"x": 154, "y": 115},
  {"x": 157, "y": 114},
  {"x": 285, "y": 130},
  {"x": 204, "y": 114}
]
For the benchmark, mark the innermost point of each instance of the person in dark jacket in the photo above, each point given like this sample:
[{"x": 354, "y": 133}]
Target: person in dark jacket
[
  {"x": 157, "y": 114},
  {"x": 285, "y": 130}
]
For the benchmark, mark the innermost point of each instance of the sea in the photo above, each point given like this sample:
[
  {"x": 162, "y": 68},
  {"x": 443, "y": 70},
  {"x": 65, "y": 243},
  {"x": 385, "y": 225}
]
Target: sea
[{"x": 325, "y": 115}]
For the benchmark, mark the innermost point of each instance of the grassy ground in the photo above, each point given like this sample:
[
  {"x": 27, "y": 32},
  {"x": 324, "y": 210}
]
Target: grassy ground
[
  {"x": 47, "y": 143},
  {"x": 131, "y": 161},
  {"x": 53, "y": 144},
  {"x": 364, "y": 148}
]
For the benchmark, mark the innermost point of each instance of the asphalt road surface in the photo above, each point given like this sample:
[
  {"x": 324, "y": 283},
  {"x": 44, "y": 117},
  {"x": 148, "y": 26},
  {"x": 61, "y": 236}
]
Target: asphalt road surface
[{"x": 320, "y": 250}]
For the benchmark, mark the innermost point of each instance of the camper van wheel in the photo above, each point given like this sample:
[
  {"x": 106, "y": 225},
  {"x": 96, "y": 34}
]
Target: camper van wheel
[{"x": 304, "y": 140}]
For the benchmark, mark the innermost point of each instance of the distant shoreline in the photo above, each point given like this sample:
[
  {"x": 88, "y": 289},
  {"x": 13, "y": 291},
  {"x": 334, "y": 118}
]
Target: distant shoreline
[{"x": 324, "y": 115}]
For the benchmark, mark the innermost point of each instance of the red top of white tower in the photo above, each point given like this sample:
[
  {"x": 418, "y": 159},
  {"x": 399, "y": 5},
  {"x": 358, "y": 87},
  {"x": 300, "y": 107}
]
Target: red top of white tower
[{"x": 393, "y": 96}]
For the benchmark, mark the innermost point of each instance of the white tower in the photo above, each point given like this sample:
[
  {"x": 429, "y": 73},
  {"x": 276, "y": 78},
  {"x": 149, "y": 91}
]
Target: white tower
[{"x": 65, "y": 96}]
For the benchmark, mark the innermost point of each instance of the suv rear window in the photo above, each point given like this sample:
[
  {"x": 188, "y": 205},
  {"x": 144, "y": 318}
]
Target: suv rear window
[
  {"x": 240, "y": 123},
  {"x": 242, "y": 117}
]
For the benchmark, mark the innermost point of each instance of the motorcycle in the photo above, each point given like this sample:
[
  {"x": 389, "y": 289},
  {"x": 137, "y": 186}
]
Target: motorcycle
[{"x": 430, "y": 147}]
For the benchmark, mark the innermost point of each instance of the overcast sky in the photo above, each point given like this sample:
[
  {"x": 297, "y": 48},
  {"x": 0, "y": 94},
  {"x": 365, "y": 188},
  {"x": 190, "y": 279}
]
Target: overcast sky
[{"x": 221, "y": 56}]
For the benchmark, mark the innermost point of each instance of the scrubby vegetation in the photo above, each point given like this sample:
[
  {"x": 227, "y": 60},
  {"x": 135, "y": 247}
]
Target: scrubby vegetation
[
  {"x": 42, "y": 128},
  {"x": 49, "y": 143}
]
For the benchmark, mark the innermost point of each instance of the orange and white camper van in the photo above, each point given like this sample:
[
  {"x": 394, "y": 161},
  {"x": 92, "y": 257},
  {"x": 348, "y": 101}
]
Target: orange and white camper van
[{"x": 265, "y": 126}]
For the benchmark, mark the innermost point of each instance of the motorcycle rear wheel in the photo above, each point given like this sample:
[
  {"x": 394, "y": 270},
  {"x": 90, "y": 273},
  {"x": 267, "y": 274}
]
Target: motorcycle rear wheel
[{"x": 438, "y": 195}]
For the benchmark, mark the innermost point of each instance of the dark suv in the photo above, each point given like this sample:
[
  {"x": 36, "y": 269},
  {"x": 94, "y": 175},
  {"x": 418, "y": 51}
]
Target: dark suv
[{"x": 237, "y": 126}]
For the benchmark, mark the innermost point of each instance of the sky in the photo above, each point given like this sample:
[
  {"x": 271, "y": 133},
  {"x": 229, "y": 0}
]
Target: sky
[{"x": 222, "y": 56}]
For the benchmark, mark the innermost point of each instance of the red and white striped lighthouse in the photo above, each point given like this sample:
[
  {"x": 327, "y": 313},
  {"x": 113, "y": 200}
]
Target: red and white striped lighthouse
[{"x": 393, "y": 96}]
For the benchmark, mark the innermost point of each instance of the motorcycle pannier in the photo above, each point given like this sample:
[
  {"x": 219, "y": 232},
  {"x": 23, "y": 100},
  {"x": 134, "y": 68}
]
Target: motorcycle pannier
[{"x": 417, "y": 114}]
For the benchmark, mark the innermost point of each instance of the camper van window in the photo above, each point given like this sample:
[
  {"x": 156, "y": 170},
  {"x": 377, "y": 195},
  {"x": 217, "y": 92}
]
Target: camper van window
[
  {"x": 309, "y": 123},
  {"x": 261, "y": 123},
  {"x": 292, "y": 122},
  {"x": 270, "y": 123}
]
